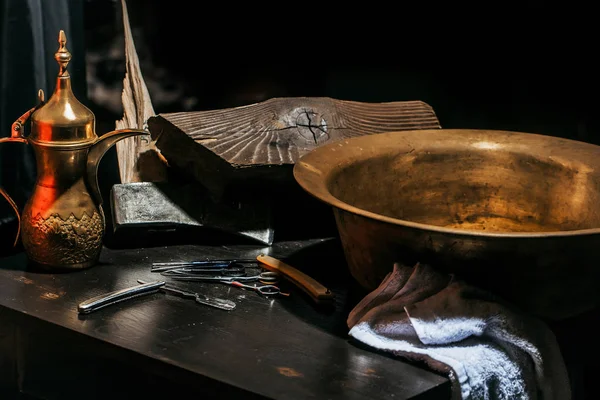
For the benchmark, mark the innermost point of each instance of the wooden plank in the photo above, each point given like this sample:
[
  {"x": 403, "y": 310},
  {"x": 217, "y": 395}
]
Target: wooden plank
[
  {"x": 272, "y": 348},
  {"x": 257, "y": 141},
  {"x": 138, "y": 158},
  {"x": 254, "y": 141},
  {"x": 8, "y": 356}
]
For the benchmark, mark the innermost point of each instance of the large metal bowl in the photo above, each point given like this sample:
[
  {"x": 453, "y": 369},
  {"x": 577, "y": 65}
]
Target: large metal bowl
[{"x": 514, "y": 213}]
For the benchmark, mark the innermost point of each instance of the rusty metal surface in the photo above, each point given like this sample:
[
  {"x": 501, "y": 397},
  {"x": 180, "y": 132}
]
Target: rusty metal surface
[
  {"x": 169, "y": 206},
  {"x": 517, "y": 213}
]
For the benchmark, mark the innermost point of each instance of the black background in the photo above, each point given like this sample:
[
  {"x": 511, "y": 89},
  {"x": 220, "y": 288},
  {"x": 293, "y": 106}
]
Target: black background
[{"x": 526, "y": 66}]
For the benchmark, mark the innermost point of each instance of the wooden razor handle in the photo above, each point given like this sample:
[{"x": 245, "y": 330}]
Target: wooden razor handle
[{"x": 314, "y": 289}]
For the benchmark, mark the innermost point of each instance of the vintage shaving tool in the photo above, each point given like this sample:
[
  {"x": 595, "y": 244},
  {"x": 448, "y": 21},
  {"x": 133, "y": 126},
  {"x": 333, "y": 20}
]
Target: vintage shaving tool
[
  {"x": 316, "y": 291},
  {"x": 107, "y": 299},
  {"x": 62, "y": 224}
]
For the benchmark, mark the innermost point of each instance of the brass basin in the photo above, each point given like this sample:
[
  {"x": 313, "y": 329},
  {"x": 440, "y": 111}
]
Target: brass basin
[{"x": 514, "y": 213}]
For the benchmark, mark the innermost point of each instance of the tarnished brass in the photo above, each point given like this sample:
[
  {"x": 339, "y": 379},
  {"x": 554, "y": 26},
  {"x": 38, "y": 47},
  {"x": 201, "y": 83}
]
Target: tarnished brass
[
  {"x": 514, "y": 213},
  {"x": 62, "y": 224}
]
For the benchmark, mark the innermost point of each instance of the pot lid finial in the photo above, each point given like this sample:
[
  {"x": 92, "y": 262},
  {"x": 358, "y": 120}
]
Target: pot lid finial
[{"x": 62, "y": 55}]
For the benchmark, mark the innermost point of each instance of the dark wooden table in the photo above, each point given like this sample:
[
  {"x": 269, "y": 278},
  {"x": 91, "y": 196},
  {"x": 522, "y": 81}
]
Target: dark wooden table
[{"x": 160, "y": 345}]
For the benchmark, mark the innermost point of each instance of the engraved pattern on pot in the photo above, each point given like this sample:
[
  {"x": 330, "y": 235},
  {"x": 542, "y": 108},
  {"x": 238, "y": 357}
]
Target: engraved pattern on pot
[{"x": 63, "y": 242}]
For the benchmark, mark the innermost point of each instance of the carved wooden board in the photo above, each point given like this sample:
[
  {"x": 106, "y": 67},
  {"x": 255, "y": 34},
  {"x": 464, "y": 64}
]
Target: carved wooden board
[{"x": 265, "y": 139}]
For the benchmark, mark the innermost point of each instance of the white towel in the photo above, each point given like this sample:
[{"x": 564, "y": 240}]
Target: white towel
[{"x": 488, "y": 349}]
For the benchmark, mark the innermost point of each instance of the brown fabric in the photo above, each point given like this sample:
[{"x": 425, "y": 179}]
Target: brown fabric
[{"x": 488, "y": 348}]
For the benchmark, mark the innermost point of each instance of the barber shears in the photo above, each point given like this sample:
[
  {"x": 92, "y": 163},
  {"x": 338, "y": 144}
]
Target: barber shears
[
  {"x": 266, "y": 277},
  {"x": 201, "y": 266},
  {"x": 231, "y": 270},
  {"x": 265, "y": 290}
]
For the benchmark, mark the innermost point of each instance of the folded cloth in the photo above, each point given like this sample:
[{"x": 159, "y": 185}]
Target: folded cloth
[{"x": 487, "y": 348}]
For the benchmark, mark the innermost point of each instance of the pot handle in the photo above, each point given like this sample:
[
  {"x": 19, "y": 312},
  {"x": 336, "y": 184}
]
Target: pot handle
[
  {"x": 17, "y": 130},
  {"x": 16, "y": 210},
  {"x": 17, "y": 134}
]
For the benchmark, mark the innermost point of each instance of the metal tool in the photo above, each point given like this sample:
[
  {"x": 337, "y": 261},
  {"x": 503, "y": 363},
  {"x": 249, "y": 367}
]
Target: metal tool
[
  {"x": 216, "y": 302},
  {"x": 501, "y": 209},
  {"x": 269, "y": 278},
  {"x": 208, "y": 265},
  {"x": 107, "y": 299},
  {"x": 158, "y": 267},
  {"x": 203, "y": 262},
  {"x": 204, "y": 271},
  {"x": 266, "y": 290},
  {"x": 218, "y": 278},
  {"x": 314, "y": 289},
  {"x": 62, "y": 223}
]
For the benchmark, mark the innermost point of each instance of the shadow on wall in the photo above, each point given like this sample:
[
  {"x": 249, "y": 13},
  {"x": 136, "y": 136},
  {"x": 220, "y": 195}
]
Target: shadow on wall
[
  {"x": 522, "y": 78},
  {"x": 525, "y": 78}
]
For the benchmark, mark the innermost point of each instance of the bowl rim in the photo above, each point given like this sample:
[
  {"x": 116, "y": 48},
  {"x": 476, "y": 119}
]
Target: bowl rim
[{"x": 304, "y": 170}]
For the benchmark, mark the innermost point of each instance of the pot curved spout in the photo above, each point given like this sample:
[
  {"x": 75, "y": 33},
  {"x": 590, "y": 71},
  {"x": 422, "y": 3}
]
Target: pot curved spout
[{"x": 97, "y": 151}]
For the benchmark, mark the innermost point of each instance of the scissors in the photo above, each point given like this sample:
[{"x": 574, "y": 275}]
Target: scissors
[
  {"x": 209, "y": 265},
  {"x": 265, "y": 290},
  {"x": 266, "y": 277},
  {"x": 233, "y": 270}
]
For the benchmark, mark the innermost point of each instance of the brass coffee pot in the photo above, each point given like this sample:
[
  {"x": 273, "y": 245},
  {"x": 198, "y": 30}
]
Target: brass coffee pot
[{"x": 62, "y": 223}]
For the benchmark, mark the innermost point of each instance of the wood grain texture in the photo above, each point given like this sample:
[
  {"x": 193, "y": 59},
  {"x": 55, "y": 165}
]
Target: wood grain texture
[
  {"x": 272, "y": 348},
  {"x": 280, "y": 130},
  {"x": 226, "y": 143},
  {"x": 8, "y": 357},
  {"x": 138, "y": 158}
]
